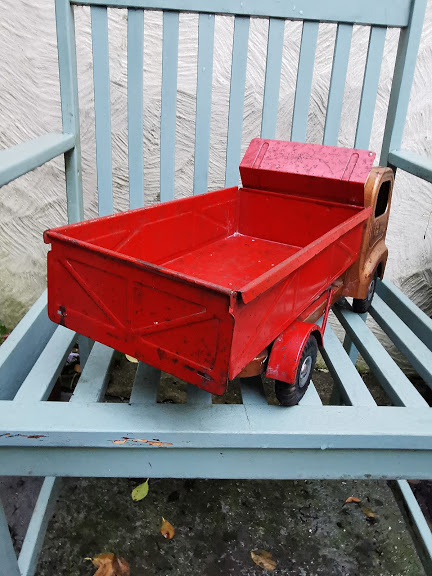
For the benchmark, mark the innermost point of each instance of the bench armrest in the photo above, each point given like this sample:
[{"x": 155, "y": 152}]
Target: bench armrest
[
  {"x": 412, "y": 163},
  {"x": 23, "y": 158}
]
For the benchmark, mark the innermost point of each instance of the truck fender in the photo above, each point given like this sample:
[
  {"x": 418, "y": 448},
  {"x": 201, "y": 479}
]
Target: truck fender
[
  {"x": 287, "y": 349},
  {"x": 375, "y": 264}
]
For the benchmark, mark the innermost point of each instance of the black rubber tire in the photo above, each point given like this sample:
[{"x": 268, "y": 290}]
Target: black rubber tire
[
  {"x": 361, "y": 306},
  {"x": 291, "y": 394}
]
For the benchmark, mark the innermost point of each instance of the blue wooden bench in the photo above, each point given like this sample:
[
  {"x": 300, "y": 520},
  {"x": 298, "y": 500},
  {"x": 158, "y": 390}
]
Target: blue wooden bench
[{"x": 86, "y": 437}]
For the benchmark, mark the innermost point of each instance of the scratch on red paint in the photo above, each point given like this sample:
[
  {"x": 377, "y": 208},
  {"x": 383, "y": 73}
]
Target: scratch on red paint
[{"x": 143, "y": 441}]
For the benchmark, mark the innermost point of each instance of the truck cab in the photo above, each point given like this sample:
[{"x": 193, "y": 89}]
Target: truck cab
[{"x": 361, "y": 277}]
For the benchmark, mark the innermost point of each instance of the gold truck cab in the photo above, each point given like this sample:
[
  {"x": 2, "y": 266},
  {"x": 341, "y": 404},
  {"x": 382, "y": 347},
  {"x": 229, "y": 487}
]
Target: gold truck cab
[{"x": 361, "y": 277}]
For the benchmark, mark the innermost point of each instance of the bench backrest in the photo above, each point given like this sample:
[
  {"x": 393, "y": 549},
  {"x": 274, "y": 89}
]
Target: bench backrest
[{"x": 404, "y": 14}]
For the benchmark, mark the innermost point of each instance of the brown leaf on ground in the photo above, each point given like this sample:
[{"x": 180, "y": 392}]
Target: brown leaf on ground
[
  {"x": 263, "y": 559},
  {"x": 110, "y": 565},
  {"x": 77, "y": 368},
  {"x": 352, "y": 499},
  {"x": 367, "y": 512},
  {"x": 167, "y": 529}
]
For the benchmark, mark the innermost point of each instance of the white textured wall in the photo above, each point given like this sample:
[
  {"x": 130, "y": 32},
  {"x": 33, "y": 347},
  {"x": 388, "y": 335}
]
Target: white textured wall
[{"x": 29, "y": 106}]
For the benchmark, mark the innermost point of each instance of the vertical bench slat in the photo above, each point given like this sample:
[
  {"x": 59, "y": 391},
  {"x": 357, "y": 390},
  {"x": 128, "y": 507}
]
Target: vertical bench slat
[
  {"x": 370, "y": 86},
  {"x": 47, "y": 368},
  {"x": 145, "y": 385},
  {"x": 417, "y": 353},
  {"x": 85, "y": 346},
  {"x": 95, "y": 376},
  {"x": 21, "y": 350},
  {"x": 99, "y": 24},
  {"x": 348, "y": 344},
  {"x": 9, "y": 562},
  {"x": 311, "y": 397},
  {"x": 236, "y": 101},
  {"x": 198, "y": 396},
  {"x": 350, "y": 349},
  {"x": 397, "y": 386},
  {"x": 304, "y": 81},
  {"x": 203, "y": 101},
  {"x": 168, "y": 104},
  {"x": 135, "y": 62},
  {"x": 69, "y": 105},
  {"x": 407, "y": 311},
  {"x": 337, "y": 83},
  {"x": 252, "y": 392},
  {"x": 272, "y": 77},
  {"x": 409, "y": 41},
  {"x": 352, "y": 389}
]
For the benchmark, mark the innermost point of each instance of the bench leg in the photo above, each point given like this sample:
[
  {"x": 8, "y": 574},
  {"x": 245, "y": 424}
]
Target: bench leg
[
  {"x": 38, "y": 525},
  {"x": 8, "y": 562},
  {"x": 415, "y": 521}
]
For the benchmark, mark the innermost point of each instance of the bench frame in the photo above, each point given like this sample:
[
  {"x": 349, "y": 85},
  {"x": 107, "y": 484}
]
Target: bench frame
[{"x": 353, "y": 438}]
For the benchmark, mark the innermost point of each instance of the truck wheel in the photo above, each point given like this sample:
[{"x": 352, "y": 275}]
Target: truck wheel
[
  {"x": 291, "y": 394},
  {"x": 362, "y": 306}
]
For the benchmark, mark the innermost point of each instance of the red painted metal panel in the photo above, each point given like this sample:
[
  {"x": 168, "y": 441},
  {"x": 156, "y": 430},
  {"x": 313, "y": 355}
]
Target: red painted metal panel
[
  {"x": 313, "y": 170},
  {"x": 260, "y": 320},
  {"x": 171, "y": 324},
  {"x": 302, "y": 219}
]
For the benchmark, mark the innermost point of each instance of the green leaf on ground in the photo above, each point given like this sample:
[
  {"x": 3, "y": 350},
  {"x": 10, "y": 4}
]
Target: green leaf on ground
[{"x": 140, "y": 491}]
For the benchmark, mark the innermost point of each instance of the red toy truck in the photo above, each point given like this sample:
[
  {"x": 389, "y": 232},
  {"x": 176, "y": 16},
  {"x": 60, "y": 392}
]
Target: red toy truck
[{"x": 231, "y": 282}]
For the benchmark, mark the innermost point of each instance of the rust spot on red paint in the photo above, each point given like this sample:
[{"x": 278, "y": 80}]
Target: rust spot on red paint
[
  {"x": 160, "y": 353},
  {"x": 62, "y": 312},
  {"x": 204, "y": 376}
]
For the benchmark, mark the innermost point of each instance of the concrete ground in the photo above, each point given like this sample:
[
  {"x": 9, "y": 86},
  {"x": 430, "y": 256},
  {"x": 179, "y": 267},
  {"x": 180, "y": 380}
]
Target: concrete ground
[{"x": 304, "y": 524}]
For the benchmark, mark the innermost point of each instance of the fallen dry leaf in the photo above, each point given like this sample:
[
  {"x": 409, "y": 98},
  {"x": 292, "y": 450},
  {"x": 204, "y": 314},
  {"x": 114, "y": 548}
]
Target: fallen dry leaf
[
  {"x": 140, "y": 491},
  {"x": 367, "y": 512},
  {"x": 131, "y": 359},
  {"x": 263, "y": 559},
  {"x": 77, "y": 368},
  {"x": 352, "y": 499},
  {"x": 167, "y": 529},
  {"x": 110, "y": 565}
]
